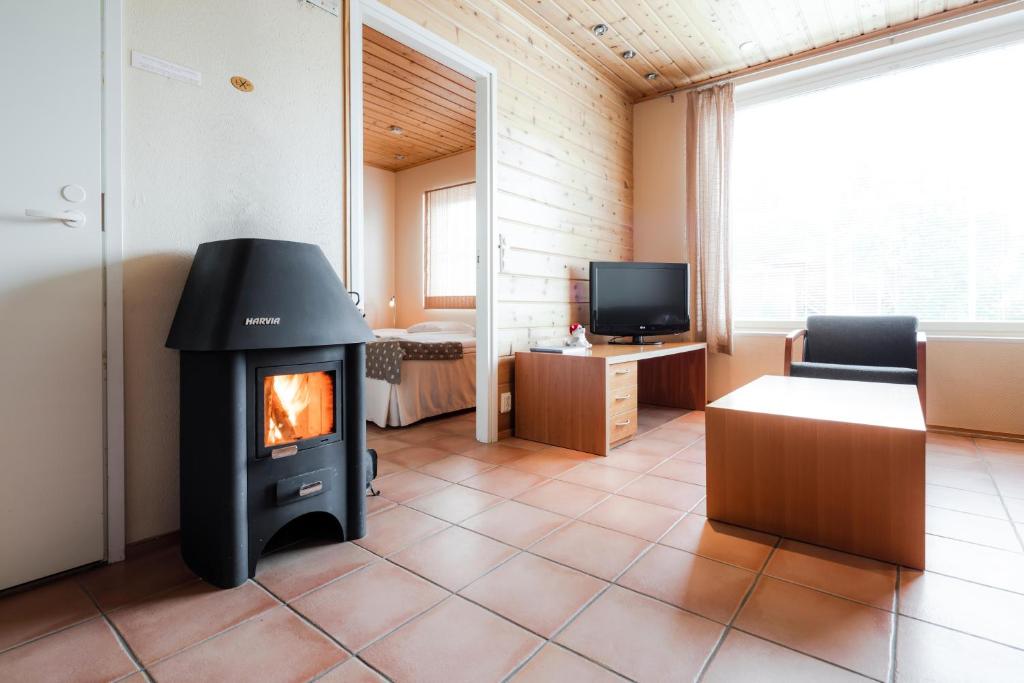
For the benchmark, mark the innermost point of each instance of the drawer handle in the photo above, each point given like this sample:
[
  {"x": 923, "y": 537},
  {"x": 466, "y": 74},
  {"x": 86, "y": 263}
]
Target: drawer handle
[
  {"x": 623, "y": 424},
  {"x": 311, "y": 488},
  {"x": 622, "y": 372},
  {"x": 284, "y": 451},
  {"x": 624, "y": 398}
]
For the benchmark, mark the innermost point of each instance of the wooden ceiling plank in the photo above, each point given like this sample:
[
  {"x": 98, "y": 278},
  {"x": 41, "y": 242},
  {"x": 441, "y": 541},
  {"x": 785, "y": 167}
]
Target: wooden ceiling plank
[
  {"x": 435, "y": 143},
  {"x": 378, "y": 68},
  {"x": 676, "y": 18},
  {"x": 418, "y": 57},
  {"x": 414, "y": 73},
  {"x": 771, "y": 38},
  {"x": 818, "y": 21},
  {"x": 388, "y": 95},
  {"x": 623, "y": 35},
  {"x": 581, "y": 17},
  {"x": 391, "y": 118},
  {"x": 872, "y": 15},
  {"x": 549, "y": 18},
  {"x": 646, "y": 33},
  {"x": 412, "y": 93},
  {"x": 404, "y": 145},
  {"x": 415, "y": 114},
  {"x": 705, "y": 19},
  {"x": 845, "y": 18},
  {"x": 791, "y": 21},
  {"x": 386, "y": 81},
  {"x": 410, "y": 117}
]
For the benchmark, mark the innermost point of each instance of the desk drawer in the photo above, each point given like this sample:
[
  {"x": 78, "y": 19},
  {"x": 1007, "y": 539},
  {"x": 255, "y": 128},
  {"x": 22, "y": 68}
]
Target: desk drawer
[
  {"x": 621, "y": 400},
  {"x": 622, "y": 426},
  {"x": 621, "y": 375}
]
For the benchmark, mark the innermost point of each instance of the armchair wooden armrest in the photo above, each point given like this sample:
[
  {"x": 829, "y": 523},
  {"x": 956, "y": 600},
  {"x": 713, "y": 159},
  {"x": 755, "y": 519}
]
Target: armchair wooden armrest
[
  {"x": 787, "y": 361},
  {"x": 922, "y": 358}
]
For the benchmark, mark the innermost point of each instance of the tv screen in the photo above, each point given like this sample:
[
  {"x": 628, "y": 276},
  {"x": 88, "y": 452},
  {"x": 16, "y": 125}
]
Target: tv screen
[{"x": 637, "y": 299}]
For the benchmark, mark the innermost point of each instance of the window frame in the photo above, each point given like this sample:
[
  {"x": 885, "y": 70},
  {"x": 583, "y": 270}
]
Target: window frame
[
  {"x": 899, "y": 53},
  {"x": 457, "y": 302}
]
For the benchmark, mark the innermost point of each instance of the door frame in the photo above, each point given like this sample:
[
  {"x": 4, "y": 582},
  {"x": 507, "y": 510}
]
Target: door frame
[
  {"x": 113, "y": 275},
  {"x": 392, "y": 24}
]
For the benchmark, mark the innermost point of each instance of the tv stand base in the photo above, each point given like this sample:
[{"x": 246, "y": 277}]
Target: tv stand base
[{"x": 638, "y": 340}]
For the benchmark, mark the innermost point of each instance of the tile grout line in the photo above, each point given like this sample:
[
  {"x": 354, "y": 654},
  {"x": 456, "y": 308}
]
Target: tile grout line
[
  {"x": 316, "y": 627},
  {"x": 34, "y": 639},
  {"x": 894, "y": 641},
  {"x": 122, "y": 641},
  {"x": 739, "y": 608},
  {"x": 607, "y": 587},
  {"x": 999, "y": 493},
  {"x": 1016, "y": 648},
  {"x": 208, "y": 638}
]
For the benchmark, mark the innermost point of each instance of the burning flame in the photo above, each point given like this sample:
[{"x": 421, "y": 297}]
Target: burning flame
[{"x": 296, "y": 407}]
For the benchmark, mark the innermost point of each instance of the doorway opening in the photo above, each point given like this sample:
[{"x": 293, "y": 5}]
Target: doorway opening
[{"x": 421, "y": 115}]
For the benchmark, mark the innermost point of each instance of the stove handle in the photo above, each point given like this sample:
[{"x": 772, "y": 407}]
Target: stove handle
[{"x": 311, "y": 488}]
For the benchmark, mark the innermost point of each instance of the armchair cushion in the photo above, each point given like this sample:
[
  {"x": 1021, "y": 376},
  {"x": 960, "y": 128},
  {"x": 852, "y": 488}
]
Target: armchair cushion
[
  {"x": 854, "y": 340},
  {"x": 856, "y": 373}
]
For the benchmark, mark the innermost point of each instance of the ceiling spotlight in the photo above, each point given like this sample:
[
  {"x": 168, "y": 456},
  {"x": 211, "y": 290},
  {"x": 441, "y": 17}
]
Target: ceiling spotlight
[
  {"x": 629, "y": 54},
  {"x": 395, "y": 130},
  {"x": 651, "y": 76},
  {"x": 399, "y": 157},
  {"x": 600, "y": 29}
]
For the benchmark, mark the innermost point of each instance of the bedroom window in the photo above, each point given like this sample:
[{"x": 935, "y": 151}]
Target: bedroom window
[
  {"x": 892, "y": 194},
  {"x": 450, "y": 247}
]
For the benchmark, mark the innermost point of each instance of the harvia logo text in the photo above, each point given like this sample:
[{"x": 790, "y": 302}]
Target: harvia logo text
[{"x": 262, "y": 321}]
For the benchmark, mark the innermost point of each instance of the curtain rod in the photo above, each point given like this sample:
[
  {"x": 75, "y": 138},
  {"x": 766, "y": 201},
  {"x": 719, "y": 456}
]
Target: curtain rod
[{"x": 975, "y": 11}]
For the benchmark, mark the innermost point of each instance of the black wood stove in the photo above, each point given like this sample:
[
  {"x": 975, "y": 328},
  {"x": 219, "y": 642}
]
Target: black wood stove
[{"x": 272, "y": 418}]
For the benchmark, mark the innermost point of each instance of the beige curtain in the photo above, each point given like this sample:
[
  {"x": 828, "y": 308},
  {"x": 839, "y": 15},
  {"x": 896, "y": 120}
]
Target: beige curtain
[{"x": 709, "y": 117}]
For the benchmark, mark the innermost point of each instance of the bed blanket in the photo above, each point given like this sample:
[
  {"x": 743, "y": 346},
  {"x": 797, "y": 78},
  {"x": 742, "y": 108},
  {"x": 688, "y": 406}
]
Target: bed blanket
[{"x": 384, "y": 356}]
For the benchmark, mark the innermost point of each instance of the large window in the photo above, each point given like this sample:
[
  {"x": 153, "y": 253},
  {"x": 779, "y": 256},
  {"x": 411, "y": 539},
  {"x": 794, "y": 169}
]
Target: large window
[
  {"x": 450, "y": 247},
  {"x": 902, "y": 193}
]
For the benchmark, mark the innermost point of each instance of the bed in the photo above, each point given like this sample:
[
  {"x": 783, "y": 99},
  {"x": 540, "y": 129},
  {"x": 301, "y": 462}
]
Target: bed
[{"x": 427, "y": 387}]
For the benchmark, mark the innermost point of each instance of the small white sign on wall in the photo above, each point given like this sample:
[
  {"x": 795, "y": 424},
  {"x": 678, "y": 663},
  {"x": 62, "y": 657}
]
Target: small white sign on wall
[
  {"x": 332, "y": 6},
  {"x": 140, "y": 60}
]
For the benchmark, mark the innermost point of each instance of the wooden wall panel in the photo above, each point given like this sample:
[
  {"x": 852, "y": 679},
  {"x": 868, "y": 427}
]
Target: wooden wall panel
[{"x": 564, "y": 192}]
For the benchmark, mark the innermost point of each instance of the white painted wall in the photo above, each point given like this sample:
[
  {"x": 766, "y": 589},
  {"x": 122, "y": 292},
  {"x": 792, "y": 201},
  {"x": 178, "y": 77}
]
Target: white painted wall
[
  {"x": 206, "y": 163},
  {"x": 972, "y": 385},
  {"x": 379, "y": 245},
  {"x": 410, "y": 186}
]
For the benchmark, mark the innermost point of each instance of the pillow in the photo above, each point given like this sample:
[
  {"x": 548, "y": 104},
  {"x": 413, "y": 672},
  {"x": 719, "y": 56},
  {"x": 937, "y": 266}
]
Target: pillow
[{"x": 442, "y": 326}]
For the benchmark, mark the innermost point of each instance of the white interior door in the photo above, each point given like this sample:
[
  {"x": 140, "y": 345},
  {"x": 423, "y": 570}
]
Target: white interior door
[{"x": 51, "y": 289}]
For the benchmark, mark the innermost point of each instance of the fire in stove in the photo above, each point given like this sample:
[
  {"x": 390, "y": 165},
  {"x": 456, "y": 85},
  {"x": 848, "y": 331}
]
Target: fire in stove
[{"x": 297, "y": 407}]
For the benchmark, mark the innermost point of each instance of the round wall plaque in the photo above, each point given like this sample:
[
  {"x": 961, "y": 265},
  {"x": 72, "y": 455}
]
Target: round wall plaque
[{"x": 242, "y": 83}]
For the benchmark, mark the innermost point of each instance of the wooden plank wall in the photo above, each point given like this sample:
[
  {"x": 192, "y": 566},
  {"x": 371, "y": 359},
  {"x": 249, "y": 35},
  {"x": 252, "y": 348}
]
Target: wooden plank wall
[{"x": 564, "y": 167}]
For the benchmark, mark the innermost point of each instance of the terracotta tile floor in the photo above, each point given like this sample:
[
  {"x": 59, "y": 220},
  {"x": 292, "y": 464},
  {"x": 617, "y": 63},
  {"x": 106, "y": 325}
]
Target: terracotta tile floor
[{"x": 521, "y": 562}]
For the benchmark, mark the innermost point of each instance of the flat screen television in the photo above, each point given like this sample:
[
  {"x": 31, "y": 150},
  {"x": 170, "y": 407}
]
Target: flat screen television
[{"x": 639, "y": 299}]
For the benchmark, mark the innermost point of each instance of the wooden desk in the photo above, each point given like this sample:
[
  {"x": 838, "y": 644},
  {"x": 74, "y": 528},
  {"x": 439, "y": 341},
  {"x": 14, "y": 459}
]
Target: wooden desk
[
  {"x": 589, "y": 403},
  {"x": 834, "y": 463}
]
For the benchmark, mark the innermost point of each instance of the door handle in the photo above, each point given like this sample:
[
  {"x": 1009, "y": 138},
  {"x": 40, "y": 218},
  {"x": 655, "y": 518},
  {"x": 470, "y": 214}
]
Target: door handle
[{"x": 72, "y": 219}]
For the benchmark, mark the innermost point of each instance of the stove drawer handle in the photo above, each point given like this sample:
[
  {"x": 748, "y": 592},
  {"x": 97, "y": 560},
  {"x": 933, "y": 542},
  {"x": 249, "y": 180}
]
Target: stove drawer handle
[
  {"x": 284, "y": 451},
  {"x": 311, "y": 488}
]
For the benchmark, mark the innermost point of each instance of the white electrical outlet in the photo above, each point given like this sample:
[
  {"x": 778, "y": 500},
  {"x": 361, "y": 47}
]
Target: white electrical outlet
[{"x": 506, "y": 402}]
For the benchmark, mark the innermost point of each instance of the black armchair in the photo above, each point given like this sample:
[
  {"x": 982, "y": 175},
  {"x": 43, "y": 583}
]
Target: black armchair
[{"x": 860, "y": 348}]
